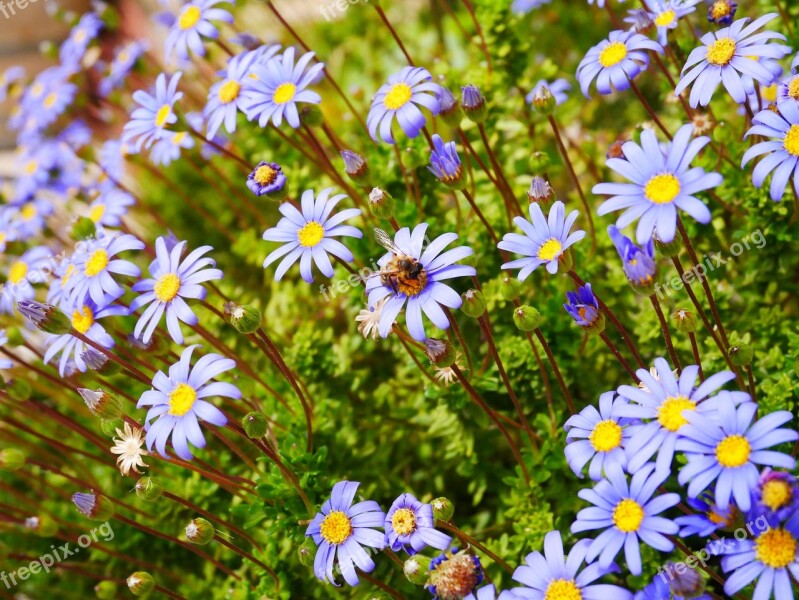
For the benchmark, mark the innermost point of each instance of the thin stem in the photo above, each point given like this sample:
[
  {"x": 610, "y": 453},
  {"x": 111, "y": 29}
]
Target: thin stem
[
  {"x": 481, "y": 216},
  {"x": 461, "y": 340},
  {"x": 750, "y": 376},
  {"x": 168, "y": 593},
  {"x": 394, "y": 34},
  {"x": 664, "y": 327},
  {"x": 123, "y": 363},
  {"x": 513, "y": 202},
  {"x": 247, "y": 556},
  {"x": 465, "y": 538},
  {"x": 566, "y": 394},
  {"x": 695, "y": 351},
  {"x": 379, "y": 584},
  {"x": 618, "y": 355},
  {"x": 479, "y": 30},
  {"x": 648, "y": 107}
]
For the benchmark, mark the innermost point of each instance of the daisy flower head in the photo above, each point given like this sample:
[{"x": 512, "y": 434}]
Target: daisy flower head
[
  {"x": 278, "y": 86},
  {"x": 788, "y": 89},
  {"x": 707, "y": 518},
  {"x": 225, "y": 98},
  {"x": 307, "y": 234},
  {"x": 583, "y": 307},
  {"x": 639, "y": 262},
  {"x": 109, "y": 207},
  {"x": 557, "y": 88},
  {"x": 401, "y": 98},
  {"x": 662, "y": 180},
  {"x": 665, "y": 15},
  {"x": 179, "y": 400},
  {"x": 545, "y": 241},
  {"x": 721, "y": 12},
  {"x": 156, "y": 111},
  {"x": 445, "y": 163},
  {"x": 266, "y": 178},
  {"x": 725, "y": 449},
  {"x": 74, "y": 47},
  {"x": 341, "y": 530},
  {"x": 616, "y": 61},
  {"x": 368, "y": 320},
  {"x": 123, "y": 63},
  {"x": 167, "y": 149},
  {"x": 782, "y": 149},
  {"x": 20, "y": 276},
  {"x": 664, "y": 407},
  {"x": 454, "y": 574},
  {"x": 416, "y": 276},
  {"x": 410, "y": 526},
  {"x": 192, "y": 24},
  {"x": 555, "y": 574},
  {"x": 173, "y": 279},
  {"x": 726, "y": 55},
  {"x": 128, "y": 447},
  {"x": 8, "y": 80},
  {"x": 95, "y": 263},
  {"x": 775, "y": 497}
]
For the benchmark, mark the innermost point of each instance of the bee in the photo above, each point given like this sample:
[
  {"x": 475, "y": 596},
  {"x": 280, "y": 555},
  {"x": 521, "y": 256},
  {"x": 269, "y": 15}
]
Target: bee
[{"x": 402, "y": 273}]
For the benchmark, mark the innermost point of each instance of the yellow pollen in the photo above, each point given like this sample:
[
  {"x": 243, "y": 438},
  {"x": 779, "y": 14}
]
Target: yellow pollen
[
  {"x": 733, "y": 451},
  {"x": 606, "y": 436},
  {"x": 265, "y": 175},
  {"x": 97, "y": 262},
  {"x": 229, "y": 91},
  {"x": 398, "y": 96},
  {"x": 776, "y": 548},
  {"x": 162, "y": 115},
  {"x": 550, "y": 250},
  {"x": 28, "y": 212},
  {"x": 612, "y": 54},
  {"x": 336, "y": 527},
  {"x": 563, "y": 589},
  {"x": 96, "y": 213},
  {"x": 404, "y": 521},
  {"x": 670, "y": 412},
  {"x": 716, "y": 518},
  {"x": 284, "y": 93},
  {"x": 777, "y": 493},
  {"x": 50, "y": 100},
  {"x": 720, "y": 9},
  {"x": 793, "y": 88},
  {"x": 82, "y": 321},
  {"x": 178, "y": 138},
  {"x": 628, "y": 515},
  {"x": 665, "y": 18},
  {"x": 311, "y": 234},
  {"x": 769, "y": 93},
  {"x": 2, "y": 237},
  {"x": 189, "y": 17},
  {"x": 662, "y": 189},
  {"x": 17, "y": 272},
  {"x": 792, "y": 140},
  {"x": 31, "y": 166},
  {"x": 167, "y": 286},
  {"x": 721, "y": 51},
  {"x": 181, "y": 399}
]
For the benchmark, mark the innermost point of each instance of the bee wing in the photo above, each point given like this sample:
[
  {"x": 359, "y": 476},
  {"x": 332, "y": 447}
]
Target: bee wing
[{"x": 382, "y": 238}]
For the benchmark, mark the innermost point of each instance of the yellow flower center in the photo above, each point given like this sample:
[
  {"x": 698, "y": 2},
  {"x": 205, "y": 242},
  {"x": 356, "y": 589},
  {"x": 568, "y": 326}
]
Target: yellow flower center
[
  {"x": 398, "y": 96},
  {"x": 167, "y": 286},
  {"x": 50, "y": 100},
  {"x": 777, "y": 493},
  {"x": 28, "y": 212},
  {"x": 606, "y": 436},
  {"x": 229, "y": 91},
  {"x": 178, "y": 138},
  {"x": 311, "y": 234},
  {"x": 776, "y": 548},
  {"x": 336, "y": 527},
  {"x": 189, "y": 17},
  {"x": 31, "y": 166},
  {"x": 721, "y": 51},
  {"x": 97, "y": 262},
  {"x": 612, "y": 54},
  {"x": 792, "y": 140},
  {"x": 67, "y": 275},
  {"x": 670, "y": 412},
  {"x": 563, "y": 589},
  {"x": 550, "y": 249},
  {"x": 83, "y": 320},
  {"x": 265, "y": 175},
  {"x": 793, "y": 88},
  {"x": 769, "y": 93},
  {"x": 80, "y": 36},
  {"x": 284, "y": 93},
  {"x": 96, "y": 213},
  {"x": 404, "y": 521},
  {"x": 662, "y": 189},
  {"x": 628, "y": 515},
  {"x": 37, "y": 90},
  {"x": 720, "y": 9},
  {"x": 162, "y": 115},
  {"x": 17, "y": 272},
  {"x": 665, "y": 18},
  {"x": 181, "y": 399},
  {"x": 733, "y": 451},
  {"x": 2, "y": 237}
]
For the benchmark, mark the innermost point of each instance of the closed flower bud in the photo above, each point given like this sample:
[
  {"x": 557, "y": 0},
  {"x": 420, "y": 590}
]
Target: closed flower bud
[
  {"x": 450, "y": 111},
  {"x": 18, "y": 390},
  {"x": 149, "y": 489},
  {"x": 473, "y": 103},
  {"x": 94, "y": 506},
  {"x": 511, "y": 288},
  {"x": 310, "y": 114},
  {"x": 106, "y": 590},
  {"x": 688, "y": 583},
  {"x": 671, "y": 248},
  {"x": 254, "y": 424},
  {"x": 526, "y": 318},
  {"x": 583, "y": 306},
  {"x": 11, "y": 459},
  {"x": 83, "y": 229},
  {"x": 539, "y": 162},
  {"x": 140, "y": 583},
  {"x": 99, "y": 362},
  {"x": 110, "y": 426},
  {"x": 417, "y": 569},
  {"x": 355, "y": 166},
  {"x": 541, "y": 193},
  {"x": 381, "y": 204},
  {"x": 543, "y": 101},
  {"x": 474, "y": 303},
  {"x": 42, "y": 526},
  {"x": 307, "y": 552},
  {"x": 101, "y": 403},
  {"x": 440, "y": 352},
  {"x": 684, "y": 320},
  {"x": 245, "y": 318},
  {"x": 199, "y": 532},
  {"x": 443, "y": 509},
  {"x": 45, "y": 317},
  {"x": 741, "y": 355}
]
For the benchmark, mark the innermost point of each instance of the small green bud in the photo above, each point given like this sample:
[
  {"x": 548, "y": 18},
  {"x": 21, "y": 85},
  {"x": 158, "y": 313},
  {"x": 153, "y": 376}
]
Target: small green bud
[
  {"x": 307, "y": 552},
  {"x": 474, "y": 303},
  {"x": 539, "y": 162},
  {"x": 254, "y": 424},
  {"x": 417, "y": 569},
  {"x": 106, "y": 590},
  {"x": 671, "y": 248},
  {"x": 245, "y": 318},
  {"x": 149, "y": 489},
  {"x": 511, "y": 288},
  {"x": 101, "y": 404},
  {"x": 42, "y": 526},
  {"x": 199, "y": 531},
  {"x": 11, "y": 459},
  {"x": 473, "y": 103},
  {"x": 440, "y": 352},
  {"x": 527, "y": 318},
  {"x": 93, "y": 506},
  {"x": 443, "y": 509},
  {"x": 140, "y": 583},
  {"x": 310, "y": 114},
  {"x": 83, "y": 229},
  {"x": 543, "y": 101},
  {"x": 741, "y": 355},
  {"x": 381, "y": 204},
  {"x": 19, "y": 390},
  {"x": 450, "y": 111},
  {"x": 99, "y": 362},
  {"x": 45, "y": 317},
  {"x": 684, "y": 320},
  {"x": 109, "y": 426},
  {"x": 723, "y": 134}
]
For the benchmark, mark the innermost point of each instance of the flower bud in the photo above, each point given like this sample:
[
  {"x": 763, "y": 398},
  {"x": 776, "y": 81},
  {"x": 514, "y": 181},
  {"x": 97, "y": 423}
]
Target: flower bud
[
  {"x": 102, "y": 404},
  {"x": 443, "y": 509},
  {"x": 684, "y": 320},
  {"x": 307, "y": 552},
  {"x": 511, "y": 288},
  {"x": 140, "y": 583},
  {"x": 414, "y": 157},
  {"x": 671, "y": 248},
  {"x": 616, "y": 150},
  {"x": 440, "y": 352},
  {"x": 741, "y": 355},
  {"x": 355, "y": 166},
  {"x": 42, "y": 526},
  {"x": 149, "y": 489},
  {"x": 199, "y": 531},
  {"x": 527, "y": 318},
  {"x": 474, "y": 303},
  {"x": 83, "y": 229},
  {"x": 99, "y": 362},
  {"x": 450, "y": 109},
  {"x": 254, "y": 424},
  {"x": 473, "y": 103},
  {"x": 11, "y": 459},
  {"x": 18, "y": 390},
  {"x": 539, "y": 162},
  {"x": 267, "y": 179},
  {"x": 106, "y": 590},
  {"x": 381, "y": 204},
  {"x": 245, "y": 318},
  {"x": 417, "y": 569},
  {"x": 45, "y": 317},
  {"x": 94, "y": 506},
  {"x": 310, "y": 114},
  {"x": 541, "y": 193},
  {"x": 543, "y": 101}
]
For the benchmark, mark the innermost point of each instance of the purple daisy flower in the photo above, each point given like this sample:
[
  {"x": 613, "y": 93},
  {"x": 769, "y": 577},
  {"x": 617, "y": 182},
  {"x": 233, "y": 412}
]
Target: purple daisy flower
[
  {"x": 775, "y": 497},
  {"x": 708, "y": 517},
  {"x": 399, "y": 99},
  {"x": 109, "y": 207},
  {"x": 410, "y": 526},
  {"x": 95, "y": 262},
  {"x": 225, "y": 98},
  {"x": 421, "y": 284},
  {"x": 665, "y": 15},
  {"x": 615, "y": 61},
  {"x": 147, "y": 123},
  {"x": 682, "y": 584},
  {"x": 82, "y": 34},
  {"x": 167, "y": 149},
  {"x": 782, "y": 150},
  {"x": 445, "y": 163},
  {"x": 788, "y": 89},
  {"x": 557, "y": 88},
  {"x": 121, "y": 66},
  {"x": 179, "y": 401},
  {"x": 192, "y": 25},
  {"x": 341, "y": 530},
  {"x": 172, "y": 280},
  {"x": 8, "y": 79},
  {"x": 721, "y": 12},
  {"x": 266, "y": 178},
  {"x": 639, "y": 263},
  {"x": 583, "y": 306},
  {"x": 20, "y": 276}
]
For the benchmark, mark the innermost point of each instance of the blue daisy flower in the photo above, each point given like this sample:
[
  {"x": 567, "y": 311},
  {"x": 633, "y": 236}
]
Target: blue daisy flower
[
  {"x": 557, "y": 88},
  {"x": 445, "y": 163},
  {"x": 685, "y": 584},
  {"x": 23, "y": 271},
  {"x": 307, "y": 234},
  {"x": 398, "y": 98},
  {"x": 662, "y": 181},
  {"x": 179, "y": 401},
  {"x": 410, "y": 526},
  {"x": 94, "y": 265},
  {"x": 84, "y": 33},
  {"x": 665, "y": 15},
  {"x": 787, "y": 89},
  {"x": 58, "y": 293},
  {"x": 583, "y": 307},
  {"x": 266, "y": 178},
  {"x": 782, "y": 150},
  {"x": 708, "y": 518},
  {"x": 168, "y": 148},
  {"x": 639, "y": 262},
  {"x": 628, "y": 515},
  {"x": 521, "y": 7},
  {"x": 544, "y": 241},
  {"x": 8, "y": 79},
  {"x": 726, "y": 55},
  {"x": 721, "y": 12},
  {"x": 775, "y": 497},
  {"x": 172, "y": 280},
  {"x": 725, "y": 449},
  {"x": 109, "y": 207},
  {"x": 341, "y": 530},
  {"x": 121, "y": 66},
  {"x": 421, "y": 284},
  {"x": 225, "y": 98},
  {"x": 148, "y": 123},
  {"x": 615, "y": 61},
  {"x": 192, "y": 25}
]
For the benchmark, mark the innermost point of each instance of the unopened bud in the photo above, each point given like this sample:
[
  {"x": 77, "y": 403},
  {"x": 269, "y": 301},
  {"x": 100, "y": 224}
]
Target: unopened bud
[
  {"x": 615, "y": 150},
  {"x": 149, "y": 489},
  {"x": 83, "y": 229},
  {"x": 42, "y": 526},
  {"x": 199, "y": 531},
  {"x": 473, "y": 103},
  {"x": 355, "y": 166},
  {"x": 45, "y": 317},
  {"x": 741, "y": 355},
  {"x": 254, "y": 424},
  {"x": 543, "y": 101},
  {"x": 11, "y": 459},
  {"x": 440, "y": 352},
  {"x": 94, "y": 506},
  {"x": 245, "y": 318},
  {"x": 450, "y": 108},
  {"x": 381, "y": 204},
  {"x": 307, "y": 552},
  {"x": 541, "y": 193},
  {"x": 99, "y": 362},
  {"x": 106, "y": 590},
  {"x": 527, "y": 318},
  {"x": 474, "y": 303},
  {"x": 511, "y": 288},
  {"x": 19, "y": 390},
  {"x": 417, "y": 569},
  {"x": 310, "y": 114},
  {"x": 684, "y": 320},
  {"x": 140, "y": 583},
  {"x": 443, "y": 509},
  {"x": 539, "y": 162},
  {"x": 671, "y": 248},
  {"x": 102, "y": 404}
]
